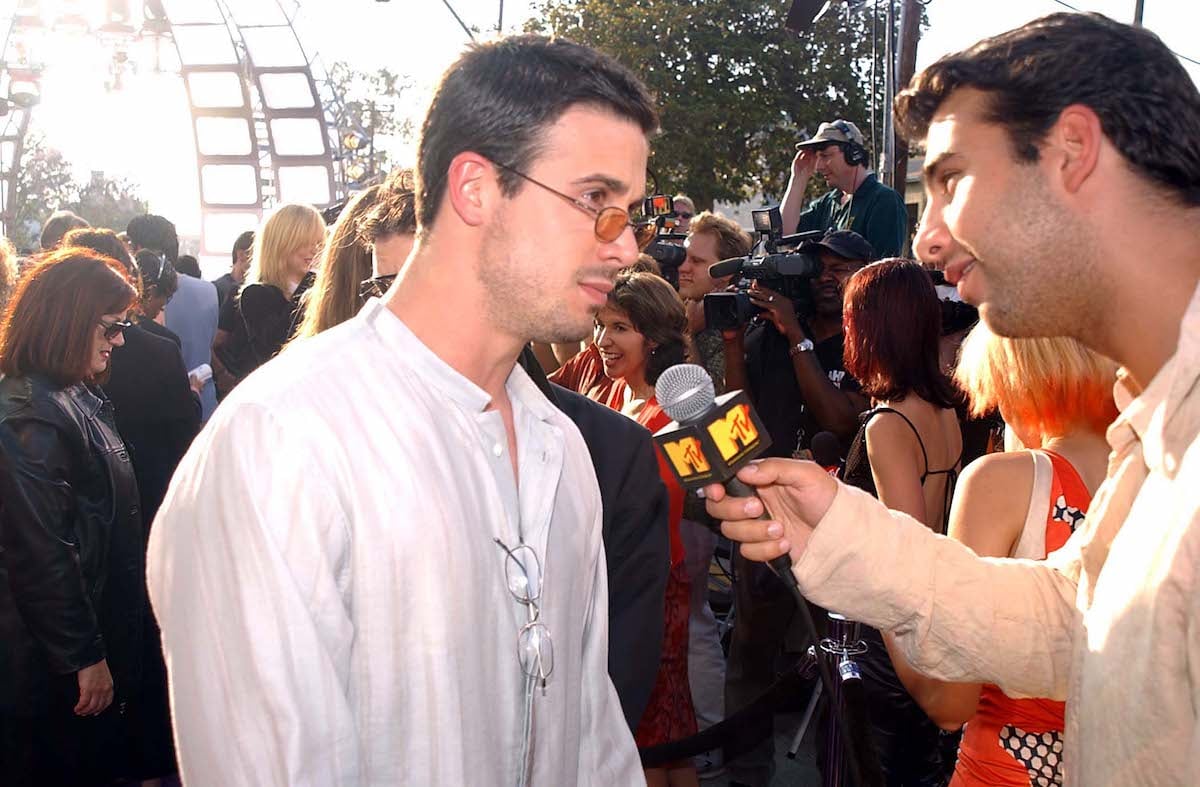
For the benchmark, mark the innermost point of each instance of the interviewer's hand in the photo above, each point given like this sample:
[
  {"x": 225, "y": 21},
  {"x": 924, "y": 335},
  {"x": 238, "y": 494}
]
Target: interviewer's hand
[
  {"x": 796, "y": 493},
  {"x": 95, "y": 689}
]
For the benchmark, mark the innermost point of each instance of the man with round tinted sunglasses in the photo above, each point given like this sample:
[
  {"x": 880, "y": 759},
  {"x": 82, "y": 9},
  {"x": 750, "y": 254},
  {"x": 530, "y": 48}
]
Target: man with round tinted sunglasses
[
  {"x": 611, "y": 221},
  {"x": 416, "y": 650}
]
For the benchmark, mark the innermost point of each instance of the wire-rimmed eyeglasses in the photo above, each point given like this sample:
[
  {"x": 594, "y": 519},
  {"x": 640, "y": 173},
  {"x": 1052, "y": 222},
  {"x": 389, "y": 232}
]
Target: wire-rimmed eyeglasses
[
  {"x": 523, "y": 576},
  {"x": 611, "y": 221}
]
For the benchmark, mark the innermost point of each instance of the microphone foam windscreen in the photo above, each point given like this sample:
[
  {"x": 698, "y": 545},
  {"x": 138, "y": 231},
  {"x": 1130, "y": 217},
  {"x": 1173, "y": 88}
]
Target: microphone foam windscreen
[{"x": 685, "y": 391}]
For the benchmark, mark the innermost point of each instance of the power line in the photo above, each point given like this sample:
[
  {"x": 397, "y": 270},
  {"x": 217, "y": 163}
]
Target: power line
[
  {"x": 458, "y": 19},
  {"x": 1191, "y": 60}
]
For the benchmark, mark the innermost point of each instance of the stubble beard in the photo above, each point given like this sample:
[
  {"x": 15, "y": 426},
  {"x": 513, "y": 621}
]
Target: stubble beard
[
  {"x": 1038, "y": 282},
  {"x": 516, "y": 293}
]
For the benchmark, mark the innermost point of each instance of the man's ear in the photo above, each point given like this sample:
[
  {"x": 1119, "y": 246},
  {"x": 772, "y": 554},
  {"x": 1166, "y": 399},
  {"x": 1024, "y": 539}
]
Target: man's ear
[
  {"x": 471, "y": 187},
  {"x": 1076, "y": 138}
]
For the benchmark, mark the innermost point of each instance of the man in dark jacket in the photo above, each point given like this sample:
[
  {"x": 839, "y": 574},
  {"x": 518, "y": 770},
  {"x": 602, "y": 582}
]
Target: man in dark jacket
[{"x": 634, "y": 530}]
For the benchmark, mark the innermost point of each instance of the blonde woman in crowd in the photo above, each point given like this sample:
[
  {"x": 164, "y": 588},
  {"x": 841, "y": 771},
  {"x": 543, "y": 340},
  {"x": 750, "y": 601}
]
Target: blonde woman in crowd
[
  {"x": 345, "y": 265},
  {"x": 285, "y": 248}
]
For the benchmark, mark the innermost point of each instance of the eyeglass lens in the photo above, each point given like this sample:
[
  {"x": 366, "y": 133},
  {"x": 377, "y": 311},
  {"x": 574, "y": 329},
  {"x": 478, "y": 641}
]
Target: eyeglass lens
[
  {"x": 611, "y": 222},
  {"x": 523, "y": 574},
  {"x": 536, "y": 650}
]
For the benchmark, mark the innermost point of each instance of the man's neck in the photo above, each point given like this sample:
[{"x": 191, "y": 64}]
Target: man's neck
[
  {"x": 427, "y": 289},
  {"x": 857, "y": 178},
  {"x": 1147, "y": 303}
]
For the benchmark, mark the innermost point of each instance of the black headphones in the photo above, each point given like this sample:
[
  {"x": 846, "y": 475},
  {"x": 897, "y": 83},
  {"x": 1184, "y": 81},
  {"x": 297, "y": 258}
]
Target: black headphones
[
  {"x": 157, "y": 273},
  {"x": 855, "y": 153}
]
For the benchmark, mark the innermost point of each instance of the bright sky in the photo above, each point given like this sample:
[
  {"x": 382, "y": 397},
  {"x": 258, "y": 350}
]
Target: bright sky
[{"x": 143, "y": 132}]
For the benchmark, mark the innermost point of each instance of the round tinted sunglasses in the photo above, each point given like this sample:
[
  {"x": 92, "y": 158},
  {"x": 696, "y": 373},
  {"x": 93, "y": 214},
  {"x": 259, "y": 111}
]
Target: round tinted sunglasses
[{"x": 610, "y": 221}]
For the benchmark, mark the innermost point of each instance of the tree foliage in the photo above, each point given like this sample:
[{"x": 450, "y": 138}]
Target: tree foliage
[
  {"x": 734, "y": 88},
  {"x": 371, "y": 102},
  {"x": 46, "y": 182},
  {"x": 109, "y": 202}
]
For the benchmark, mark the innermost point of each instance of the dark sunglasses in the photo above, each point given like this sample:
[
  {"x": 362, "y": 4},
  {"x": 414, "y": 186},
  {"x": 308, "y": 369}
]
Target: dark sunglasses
[
  {"x": 683, "y": 214},
  {"x": 610, "y": 221},
  {"x": 112, "y": 329}
]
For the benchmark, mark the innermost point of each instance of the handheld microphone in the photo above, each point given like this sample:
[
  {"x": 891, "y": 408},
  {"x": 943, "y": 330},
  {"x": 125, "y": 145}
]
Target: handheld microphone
[
  {"x": 709, "y": 442},
  {"x": 711, "y": 439}
]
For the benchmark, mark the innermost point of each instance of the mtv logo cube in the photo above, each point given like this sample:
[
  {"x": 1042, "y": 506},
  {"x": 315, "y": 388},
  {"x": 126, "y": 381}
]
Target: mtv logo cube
[{"x": 712, "y": 448}]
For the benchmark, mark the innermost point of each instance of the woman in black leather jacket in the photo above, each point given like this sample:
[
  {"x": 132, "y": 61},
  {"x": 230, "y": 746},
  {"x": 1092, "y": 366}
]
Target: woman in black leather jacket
[{"x": 72, "y": 595}]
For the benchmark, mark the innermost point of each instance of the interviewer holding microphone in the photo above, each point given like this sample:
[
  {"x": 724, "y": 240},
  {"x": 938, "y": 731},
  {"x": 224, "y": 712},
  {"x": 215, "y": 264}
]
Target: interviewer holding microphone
[{"x": 1042, "y": 190}]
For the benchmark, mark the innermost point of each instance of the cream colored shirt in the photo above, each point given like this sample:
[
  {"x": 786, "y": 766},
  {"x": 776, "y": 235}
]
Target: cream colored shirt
[{"x": 1111, "y": 622}]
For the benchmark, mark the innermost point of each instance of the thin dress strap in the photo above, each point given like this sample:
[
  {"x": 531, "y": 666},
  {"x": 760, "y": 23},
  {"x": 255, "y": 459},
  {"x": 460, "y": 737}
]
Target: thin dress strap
[
  {"x": 924, "y": 455},
  {"x": 950, "y": 472}
]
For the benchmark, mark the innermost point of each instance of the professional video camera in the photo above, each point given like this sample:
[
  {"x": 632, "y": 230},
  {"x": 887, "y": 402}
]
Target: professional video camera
[
  {"x": 779, "y": 267},
  {"x": 669, "y": 255}
]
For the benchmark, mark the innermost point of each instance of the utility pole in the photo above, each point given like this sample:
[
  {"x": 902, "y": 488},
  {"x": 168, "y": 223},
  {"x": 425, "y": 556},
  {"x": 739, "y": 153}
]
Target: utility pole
[
  {"x": 889, "y": 92},
  {"x": 1137, "y": 13},
  {"x": 910, "y": 33}
]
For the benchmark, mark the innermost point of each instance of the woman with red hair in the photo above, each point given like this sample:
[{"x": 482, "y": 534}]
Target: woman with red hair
[
  {"x": 1055, "y": 396},
  {"x": 907, "y": 453}
]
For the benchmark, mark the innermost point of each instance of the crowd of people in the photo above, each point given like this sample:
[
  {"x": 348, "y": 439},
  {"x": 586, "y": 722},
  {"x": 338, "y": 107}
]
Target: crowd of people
[{"x": 381, "y": 504}]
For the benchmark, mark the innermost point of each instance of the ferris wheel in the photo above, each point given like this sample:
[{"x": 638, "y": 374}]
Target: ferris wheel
[{"x": 267, "y": 126}]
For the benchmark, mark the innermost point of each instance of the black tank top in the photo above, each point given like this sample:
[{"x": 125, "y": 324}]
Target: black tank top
[{"x": 857, "y": 470}]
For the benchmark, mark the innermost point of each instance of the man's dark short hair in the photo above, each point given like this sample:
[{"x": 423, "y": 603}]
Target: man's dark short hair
[
  {"x": 499, "y": 98},
  {"x": 244, "y": 242},
  {"x": 59, "y": 224},
  {"x": 1147, "y": 104},
  {"x": 155, "y": 233},
  {"x": 188, "y": 266}
]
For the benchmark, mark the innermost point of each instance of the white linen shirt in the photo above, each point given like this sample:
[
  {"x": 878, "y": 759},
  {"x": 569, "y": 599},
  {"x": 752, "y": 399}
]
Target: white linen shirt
[{"x": 333, "y": 606}]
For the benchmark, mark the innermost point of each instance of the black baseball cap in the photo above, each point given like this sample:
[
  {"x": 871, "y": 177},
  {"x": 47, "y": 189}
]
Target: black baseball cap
[{"x": 844, "y": 243}]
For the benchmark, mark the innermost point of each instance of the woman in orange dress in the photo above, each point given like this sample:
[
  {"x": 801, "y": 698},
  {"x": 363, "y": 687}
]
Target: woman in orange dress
[
  {"x": 1056, "y": 398},
  {"x": 639, "y": 334}
]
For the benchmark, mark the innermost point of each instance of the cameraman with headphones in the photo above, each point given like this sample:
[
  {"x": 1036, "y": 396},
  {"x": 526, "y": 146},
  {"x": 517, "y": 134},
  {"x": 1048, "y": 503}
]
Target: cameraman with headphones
[{"x": 856, "y": 201}]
